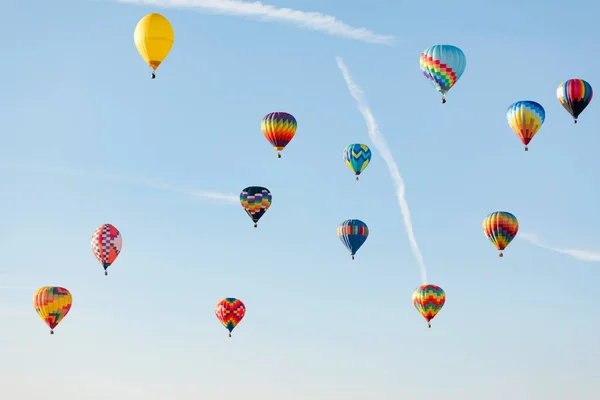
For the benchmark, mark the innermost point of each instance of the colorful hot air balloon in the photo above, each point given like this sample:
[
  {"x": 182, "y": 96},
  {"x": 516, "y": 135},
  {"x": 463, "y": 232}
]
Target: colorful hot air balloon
[
  {"x": 353, "y": 233},
  {"x": 52, "y": 304},
  {"x": 443, "y": 65},
  {"x": 106, "y": 245},
  {"x": 256, "y": 200},
  {"x": 500, "y": 227},
  {"x": 357, "y": 156},
  {"x": 230, "y": 312},
  {"x": 428, "y": 300},
  {"x": 153, "y": 39},
  {"x": 279, "y": 128},
  {"x": 525, "y": 118},
  {"x": 574, "y": 95}
]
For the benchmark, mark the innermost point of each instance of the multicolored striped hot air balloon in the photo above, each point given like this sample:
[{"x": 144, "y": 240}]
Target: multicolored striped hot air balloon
[
  {"x": 525, "y": 118},
  {"x": 443, "y": 65},
  {"x": 279, "y": 129},
  {"x": 52, "y": 304},
  {"x": 353, "y": 233},
  {"x": 500, "y": 227},
  {"x": 106, "y": 245},
  {"x": 428, "y": 300},
  {"x": 357, "y": 156},
  {"x": 230, "y": 311},
  {"x": 574, "y": 95},
  {"x": 256, "y": 200}
]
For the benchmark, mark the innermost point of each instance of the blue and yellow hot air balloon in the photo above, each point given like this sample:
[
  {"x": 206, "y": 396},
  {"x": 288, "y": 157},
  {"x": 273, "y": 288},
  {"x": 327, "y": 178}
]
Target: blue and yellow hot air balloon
[
  {"x": 574, "y": 95},
  {"x": 525, "y": 118},
  {"x": 353, "y": 233},
  {"x": 357, "y": 156},
  {"x": 443, "y": 65}
]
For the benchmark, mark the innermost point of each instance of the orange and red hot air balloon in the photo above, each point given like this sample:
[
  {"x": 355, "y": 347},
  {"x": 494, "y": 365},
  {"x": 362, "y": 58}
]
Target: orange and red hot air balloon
[
  {"x": 106, "y": 245},
  {"x": 429, "y": 300},
  {"x": 230, "y": 311},
  {"x": 279, "y": 129},
  {"x": 52, "y": 303}
]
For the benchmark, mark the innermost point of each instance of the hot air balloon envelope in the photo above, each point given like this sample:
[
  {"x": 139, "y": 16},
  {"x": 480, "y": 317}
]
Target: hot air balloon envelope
[
  {"x": 353, "y": 233},
  {"x": 429, "y": 300},
  {"x": 256, "y": 200},
  {"x": 574, "y": 95},
  {"x": 443, "y": 65},
  {"x": 52, "y": 303},
  {"x": 230, "y": 311},
  {"x": 279, "y": 129},
  {"x": 154, "y": 39},
  {"x": 106, "y": 245},
  {"x": 500, "y": 227},
  {"x": 525, "y": 118},
  {"x": 357, "y": 157}
]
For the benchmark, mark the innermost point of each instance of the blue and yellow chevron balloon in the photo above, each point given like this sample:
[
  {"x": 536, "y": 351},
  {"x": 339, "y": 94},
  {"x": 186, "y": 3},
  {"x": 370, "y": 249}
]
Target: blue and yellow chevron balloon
[{"x": 357, "y": 156}]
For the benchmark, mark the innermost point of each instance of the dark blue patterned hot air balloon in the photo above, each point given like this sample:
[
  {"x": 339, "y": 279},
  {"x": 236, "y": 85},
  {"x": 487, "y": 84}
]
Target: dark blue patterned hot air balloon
[{"x": 353, "y": 233}]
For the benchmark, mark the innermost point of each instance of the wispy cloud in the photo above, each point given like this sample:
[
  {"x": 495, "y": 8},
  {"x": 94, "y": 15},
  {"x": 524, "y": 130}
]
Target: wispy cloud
[
  {"x": 381, "y": 145},
  {"x": 136, "y": 180},
  {"x": 9, "y": 310},
  {"x": 6, "y": 283},
  {"x": 583, "y": 255},
  {"x": 310, "y": 20}
]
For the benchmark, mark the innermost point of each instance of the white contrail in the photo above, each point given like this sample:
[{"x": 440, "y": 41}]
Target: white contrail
[
  {"x": 379, "y": 141},
  {"x": 191, "y": 192},
  {"x": 310, "y": 20},
  {"x": 583, "y": 255}
]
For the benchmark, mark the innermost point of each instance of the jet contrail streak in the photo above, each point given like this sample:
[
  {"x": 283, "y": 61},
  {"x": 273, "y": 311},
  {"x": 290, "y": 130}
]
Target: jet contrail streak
[{"x": 379, "y": 142}]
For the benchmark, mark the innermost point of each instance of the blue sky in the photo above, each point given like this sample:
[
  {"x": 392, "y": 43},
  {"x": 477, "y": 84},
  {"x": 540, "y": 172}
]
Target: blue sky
[{"x": 88, "y": 139}]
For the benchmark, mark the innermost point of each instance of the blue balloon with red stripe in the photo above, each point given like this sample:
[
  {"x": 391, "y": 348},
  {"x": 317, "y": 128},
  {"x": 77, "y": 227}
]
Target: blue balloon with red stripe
[{"x": 353, "y": 233}]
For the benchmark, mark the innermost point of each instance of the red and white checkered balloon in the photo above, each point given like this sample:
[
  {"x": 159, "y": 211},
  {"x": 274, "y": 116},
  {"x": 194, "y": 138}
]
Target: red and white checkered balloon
[{"x": 106, "y": 245}]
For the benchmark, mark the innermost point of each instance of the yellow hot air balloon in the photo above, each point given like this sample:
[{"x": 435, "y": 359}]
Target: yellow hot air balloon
[
  {"x": 52, "y": 304},
  {"x": 153, "y": 39}
]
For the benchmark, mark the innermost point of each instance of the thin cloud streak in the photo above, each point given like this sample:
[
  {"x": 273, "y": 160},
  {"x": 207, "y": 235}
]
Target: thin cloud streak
[
  {"x": 5, "y": 284},
  {"x": 310, "y": 20},
  {"x": 8, "y": 310},
  {"x": 151, "y": 183},
  {"x": 381, "y": 145},
  {"x": 583, "y": 255}
]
